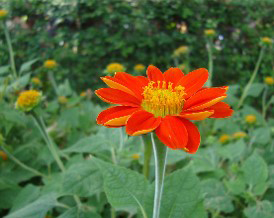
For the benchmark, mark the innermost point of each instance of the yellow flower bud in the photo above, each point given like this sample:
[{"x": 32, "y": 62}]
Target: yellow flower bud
[
  {"x": 62, "y": 99},
  {"x": 266, "y": 40},
  {"x": 135, "y": 156},
  {"x": 224, "y": 138},
  {"x": 250, "y": 118},
  {"x": 115, "y": 67},
  {"x": 239, "y": 135},
  {"x": 209, "y": 32},
  {"x": 180, "y": 51},
  {"x": 3, "y": 155},
  {"x": 139, "y": 67},
  {"x": 36, "y": 81},
  {"x": 50, "y": 64},
  {"x": 3, "y": 14},
  {"x": 83, "y": 94},
  {"x": 27, "y": 100},
  {"x": 269, "y": 80}
]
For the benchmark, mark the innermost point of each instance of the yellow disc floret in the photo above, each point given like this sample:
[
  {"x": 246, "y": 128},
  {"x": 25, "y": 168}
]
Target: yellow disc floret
[
  {"x": 266, "y": 40},
  {"x": 50, "y": 64},
  {"x": 139, "y": 67},
  {"x": 180, "y": 51},
  {"x": 250, "y": 118},
  {"x": 27, "y": 100},
  {"x": 239, "y": 135},
  {"x": 209, "y": 32},
  {"x": 162, "y": 99},
  {"x": 269, "y": 80},
  {"x": 3, "y": 13},
  {"x": 36, "y": 81},
  {"x": 224, "y": 138},
  {"x": 115, "y": 67},
  {"x": 135, "y": 156}
]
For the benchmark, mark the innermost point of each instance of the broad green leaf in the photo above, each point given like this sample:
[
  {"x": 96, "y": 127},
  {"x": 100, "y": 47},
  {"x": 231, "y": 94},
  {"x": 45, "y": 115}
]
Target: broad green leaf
[
  {"x": 125, "y": 189},
  {"x": 7, "y": 197},
  {"x": 216, "y": 197},
  {"x": 262, "y": 209},
  {"x": 260, "y": 188},
  {"x": 262, "y": 135},
  {"x": 182, "y": 195},
  {"x": 4, "y": 69},
  {"x": 75, "y": 213},
  {"x": 271, "y": 175},
  {"x": 235, "y": 186},
  {"x": 233, "y": 151},
  {"x": 255, "y": 170},
  {"x": 83, "y": 179},
  {"x": 19, "y": 84},
  {"x": 65, "y": 88},
  {"x": 26, "y": 66},
  {"x": 36, "y": 209},
  {"x": 255, "y": 89}
]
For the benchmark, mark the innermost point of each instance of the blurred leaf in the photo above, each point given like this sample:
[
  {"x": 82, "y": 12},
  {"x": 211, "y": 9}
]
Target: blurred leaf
[
  {"x": 262, "y": 135},
  {"x": 255, "y": 89},
  {"x": 262, "y": 209},
  {"x": 27, "y": 65},
  {"x": 235, "y": 186},
  {"x": 4, "y": 69},
  {"x": 233, "y": 151},
  {"x": 74, "y": 212},
  {"x": 19, "y": 84}
]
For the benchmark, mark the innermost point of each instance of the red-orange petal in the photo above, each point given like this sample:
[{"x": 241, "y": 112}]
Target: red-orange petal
[
  {"x": 116, "y": 116},
  {"x": 116, "y": 96},
  {"x": 172, "y": 132},
  {"x": 154, "y": 74},
  {"x": 194, "y": 138},
  {"x": 142, "y": 122},
  {"x": 194, "y": 81},
  {"x": 197, "y": 115},
  {"x": 221, "y": 110},
  {"x": 173, "y": 75},
  {"x": 204, "y": 98}
]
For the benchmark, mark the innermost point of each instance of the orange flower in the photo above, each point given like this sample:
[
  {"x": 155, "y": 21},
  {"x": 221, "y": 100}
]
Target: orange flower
[{"x": 162, "y": 102}]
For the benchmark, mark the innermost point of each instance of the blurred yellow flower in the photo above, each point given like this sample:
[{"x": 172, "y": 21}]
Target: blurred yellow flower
[
  {"x": 135, "y": 156},
  {"x": 181, "y": 50},
  {"x": 224, "y": 138},
  {"x": 266, "y": 40},
  {"x": 209, "y": 32},
  {"x": 50, "y": 64},
  {"x": 27, "y": 100},
  {"x": 115, "y": 67},
  {"x": 3, "y": 155},
  {"x": 83, "y": 94},
  {"x": 269, "y": 80},
  {"x": 250, "y": 118},
  {"x": 3, "y": 13},
  {"x": 36, "y": 81},
  {"x": 139, "y": 67},
  {"x": 239, "y": 135},
  {"x": 62, "y": 99}
]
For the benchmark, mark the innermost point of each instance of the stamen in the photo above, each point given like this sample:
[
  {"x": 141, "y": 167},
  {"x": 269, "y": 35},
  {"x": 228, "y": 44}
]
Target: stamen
[{"x": 162, "y": 99}]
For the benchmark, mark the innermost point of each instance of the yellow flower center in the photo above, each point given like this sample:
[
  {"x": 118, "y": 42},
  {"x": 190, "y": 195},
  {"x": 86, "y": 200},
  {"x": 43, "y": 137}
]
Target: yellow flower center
[
  {"x": 27, "y": 100},
  {"x": 162, "y": 99},
  {"x": 3, "y": 13}
]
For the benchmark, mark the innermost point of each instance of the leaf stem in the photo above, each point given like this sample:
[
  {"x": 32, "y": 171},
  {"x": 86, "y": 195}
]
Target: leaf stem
[
  {"x": 160, "y": 156},
  {"x": 24, "y": 166},
  {"x": 11, "y": 53},
  {"x": 247, "y": 87}
]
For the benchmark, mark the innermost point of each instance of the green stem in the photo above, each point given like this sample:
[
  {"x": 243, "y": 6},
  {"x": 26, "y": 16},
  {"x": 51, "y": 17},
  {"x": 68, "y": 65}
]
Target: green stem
[
  {"x": 160, "y": 156},
  {"x": 12, "y": 62},
  {"x": 113, "y": 215},
  {"x": 53, "y": 82},
  {"x": 24, "y": 166},
  {"x": 121, "y": 138},
  {"x": 210, "y": 62},
  {"x": 247, "y": 87},
  {"x": 147, "y": 157},
  {"x": 264, "y": 102}
]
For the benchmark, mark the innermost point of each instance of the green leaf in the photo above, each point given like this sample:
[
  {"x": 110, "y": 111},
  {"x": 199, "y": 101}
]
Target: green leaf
[
  {"x": 216, "y": 197},
  {"x": 19, "y": 84},
  {"x": 233, "y": 151},
  {"x": 262, "y": 135},
  {"x": 262, "y": 209},
  {"x": 235, "y": 186},
  {"x": 255, "y": 89},
  {"x": 74, "y": 212},
  {"x": 125, "y": 189},
  {"x": 4, "y": 69},
  {"x": 26, "y": 66},
  {"x": 255, "y": 170},
  {"x": 36, "y": 209},
  {"x": 83, "y": 179},
  {"x": 182, "y": 195},
  {"x": 271, "y": 175}
]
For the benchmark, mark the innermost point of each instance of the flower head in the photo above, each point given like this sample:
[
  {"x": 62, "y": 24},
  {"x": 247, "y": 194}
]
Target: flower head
[
  {"x": 180, "y": 51},
  {"x": 28, "y": 100},
  {"x": 269, "y": 80},
  {"x": 139, "y": 67},
  {"x": 3, "y": 14},
  {"x": 266, "y": 40},
  {"x": 3, "y": 155},
  {"x": 164, "y": 103},
  {"x": 62, "y": 99},
  {"x": 209, "y": 32},
  {"x": 36, "y": 81},
  {"x": 250, "y": 118},
  {"x": 83, "y": 94},
  {"x": 239, "y": 135},
  {"x": 135, "y": 156},
  {"x": 224, "y": 138},
  {"x": 50, "y": 64},
  {"x": 115, "y": 67}
]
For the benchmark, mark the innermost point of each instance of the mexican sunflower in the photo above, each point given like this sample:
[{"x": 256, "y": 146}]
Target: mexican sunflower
[{"x": 164, "y": 103}]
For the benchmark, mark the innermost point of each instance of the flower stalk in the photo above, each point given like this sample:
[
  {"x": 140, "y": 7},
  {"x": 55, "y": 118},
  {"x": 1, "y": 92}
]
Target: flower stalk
[
  {"x": 147, "y": 156},
  {"x": 209, "y": 47},
  {"x": 53, "y": 82},
  {"x": 252, "y": 78},
  {"x": 11, "y": 53},
  {"x": 160, "y": 156}
]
